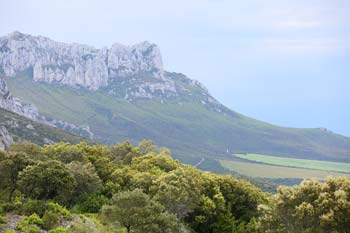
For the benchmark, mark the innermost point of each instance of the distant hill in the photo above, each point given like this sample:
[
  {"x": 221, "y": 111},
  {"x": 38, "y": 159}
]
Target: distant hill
[
  {"x": 124, "y": 93},
  {"x": 20, "y": 128}
]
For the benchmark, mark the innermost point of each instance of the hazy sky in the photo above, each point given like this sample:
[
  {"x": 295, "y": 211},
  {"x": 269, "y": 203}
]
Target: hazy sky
[{"x": 285, "y": 62}]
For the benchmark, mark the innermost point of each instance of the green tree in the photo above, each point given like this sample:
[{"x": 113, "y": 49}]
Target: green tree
[
  {"x": 65, "y": 152},
  {"x": 47, "y": 180},
  {"x": 311, "y": 207},
  {"x": 11, "y": 164},
  {"x": 124, "y": 153},
  {"x": 135, "y": 211},
  {"x": 179, "y": 190},
  {"x": 85, "y": 176}
]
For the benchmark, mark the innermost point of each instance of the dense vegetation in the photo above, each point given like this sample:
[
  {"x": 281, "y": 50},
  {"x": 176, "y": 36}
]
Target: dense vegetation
[
  {"x": 194, "y": 130},
  {"x": 64, "y": 188}
]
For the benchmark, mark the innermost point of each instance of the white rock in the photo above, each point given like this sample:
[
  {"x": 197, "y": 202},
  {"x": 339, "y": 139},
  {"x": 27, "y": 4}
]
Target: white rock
[
  {"x": 5, "y": 138},
  {"x": 75, "y": 64}
]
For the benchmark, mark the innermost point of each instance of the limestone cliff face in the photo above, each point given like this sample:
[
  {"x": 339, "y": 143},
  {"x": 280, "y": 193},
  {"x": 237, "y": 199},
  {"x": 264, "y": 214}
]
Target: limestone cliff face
[
  {"x": 74, "y": 64},
  {"x": 5, "y": 139},
  {"x": 8, "y": 102},
  {"x": 129, "y": 72}
]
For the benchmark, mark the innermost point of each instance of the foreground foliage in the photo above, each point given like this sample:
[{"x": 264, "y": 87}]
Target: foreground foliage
[{"x": 122, "y": 188}]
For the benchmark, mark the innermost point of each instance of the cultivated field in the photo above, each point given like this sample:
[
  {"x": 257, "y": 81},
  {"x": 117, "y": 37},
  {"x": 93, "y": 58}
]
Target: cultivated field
[
  {"x": 273, "y": 171},
  {"x": 297, "y": 163}
]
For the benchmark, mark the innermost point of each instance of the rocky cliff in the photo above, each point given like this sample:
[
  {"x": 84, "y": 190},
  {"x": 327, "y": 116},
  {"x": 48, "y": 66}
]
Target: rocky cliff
[
  {"x": 75, "y": 64},
  {"x": 130, "y": 72},
  {"x": 7, "y": 101},
  {"x": 5, "y": 138}
]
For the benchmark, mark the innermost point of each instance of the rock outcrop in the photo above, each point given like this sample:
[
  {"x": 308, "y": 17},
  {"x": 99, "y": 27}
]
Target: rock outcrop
[
  {"x": 8, "y": 102},
  {"x": 129, "y": 72},
  {"x": 5, "y": 138},
  {"x": 74, "y": 64}
]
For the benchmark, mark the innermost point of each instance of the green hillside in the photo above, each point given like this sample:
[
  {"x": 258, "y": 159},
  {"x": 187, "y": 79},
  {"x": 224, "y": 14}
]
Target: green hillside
[
  {"x": 189, "y": 128},
  {"x": 24, "y": 129}
]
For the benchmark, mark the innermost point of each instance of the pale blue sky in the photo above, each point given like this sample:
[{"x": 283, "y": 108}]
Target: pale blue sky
[{"x": 285, "y": 62}]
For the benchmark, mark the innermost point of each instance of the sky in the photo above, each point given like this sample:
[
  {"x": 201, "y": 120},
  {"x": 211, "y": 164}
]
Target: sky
[{"x": 284, "y": 62}]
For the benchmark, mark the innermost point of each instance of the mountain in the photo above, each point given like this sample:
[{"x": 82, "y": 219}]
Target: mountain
[{"x": 124, "y": 93}]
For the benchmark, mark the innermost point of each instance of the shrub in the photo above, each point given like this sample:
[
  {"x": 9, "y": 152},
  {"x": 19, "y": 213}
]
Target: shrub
[
  {"x": 59, "y": 230},
  {"x": 3, "y": 219},
  {"x": 34, "y": 206},
  {"x": 11, "y": 207},
  {"x": 31, "y": 229},
  {"x": 10, "y": 231},
  {"x": 30, "y": 224},
  {"x": 83, "y": 224},
  {"x": 57, "y": 208},
  {"x": 50, "y": 219},
  {"x": 91, "y": 203}
]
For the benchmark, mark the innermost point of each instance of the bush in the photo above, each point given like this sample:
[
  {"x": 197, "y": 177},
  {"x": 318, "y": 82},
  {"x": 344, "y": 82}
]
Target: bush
[
  {"x": 57, "y": 208},
  {"x": 50, "y": 219},
  {"x": 30, "y": 224},
  {"x": 91, "y": 203},
  {"x": 31, "y": 229},
  {"x": 34, "y": 206},
  {"x": 10, "y": 231},
  {"x": 60, "y": 230},
  {"x": 3, "y": 219},
  {"x": 83, "y": 224},
  {"x": 11, "y": 207}
]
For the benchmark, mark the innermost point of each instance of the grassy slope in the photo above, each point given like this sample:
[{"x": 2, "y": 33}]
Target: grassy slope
[
  {"x": 19, "y": 128},
  {"x": 189, "y": 129},
  {"x": 271, "y": 171},
  {"x": 299, "y": 163}
]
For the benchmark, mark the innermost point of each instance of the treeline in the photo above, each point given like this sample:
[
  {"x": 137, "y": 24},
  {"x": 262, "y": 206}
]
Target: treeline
[{"x": 122, "y": 188}]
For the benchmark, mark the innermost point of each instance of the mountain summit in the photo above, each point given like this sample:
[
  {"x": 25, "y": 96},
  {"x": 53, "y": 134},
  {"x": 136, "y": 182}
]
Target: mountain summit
[
  {"x": 75, "y": 64},
  {"x": 124, "y": 93}
]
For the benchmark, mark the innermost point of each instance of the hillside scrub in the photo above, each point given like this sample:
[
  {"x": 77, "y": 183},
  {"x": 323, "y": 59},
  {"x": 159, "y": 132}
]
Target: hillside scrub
[{"x": 125, "y": 188}]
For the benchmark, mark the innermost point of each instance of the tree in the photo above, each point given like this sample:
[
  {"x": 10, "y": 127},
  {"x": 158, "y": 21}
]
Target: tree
[
  {"x": 86, "y": 177},
  {"x": 124, "y": 153},
  {"x": 47, "y": 180},
  {"x": 135, "y": 211},
  {"x": 312, "y": 206},
  {"x": 31, "y": 149},
  {"x": 178, "y": 190},
  {"x": 65, "y": 152},
  {"x": 148, "y": 146},
  {"x": 11, "y": 164}
]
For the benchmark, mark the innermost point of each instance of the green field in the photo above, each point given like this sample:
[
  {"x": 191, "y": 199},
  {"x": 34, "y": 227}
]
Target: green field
[
  {"x": 273, "y": 171},
  {"x": 297, "y": 163}
]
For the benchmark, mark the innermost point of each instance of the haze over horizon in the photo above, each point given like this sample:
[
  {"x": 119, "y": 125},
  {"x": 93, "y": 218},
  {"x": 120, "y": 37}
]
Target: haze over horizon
[{"x": 287, "y": 63}]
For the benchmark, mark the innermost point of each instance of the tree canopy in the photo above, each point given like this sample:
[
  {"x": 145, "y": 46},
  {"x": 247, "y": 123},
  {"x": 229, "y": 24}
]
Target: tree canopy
[{"x": 142, "y": 189}]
